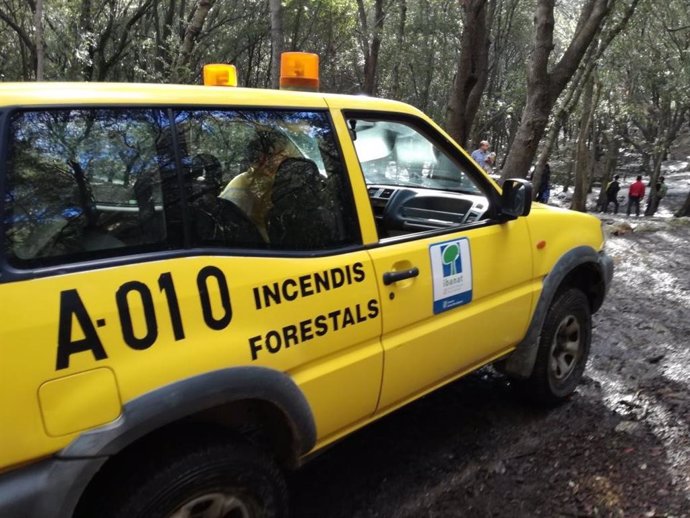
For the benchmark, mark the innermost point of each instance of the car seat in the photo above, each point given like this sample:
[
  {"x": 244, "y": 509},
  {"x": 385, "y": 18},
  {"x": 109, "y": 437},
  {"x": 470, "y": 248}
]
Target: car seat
[
  {"x": 216, "y": 221},
  {"x": 302, "y": 215},
  {"x": 225, "y": 225}
]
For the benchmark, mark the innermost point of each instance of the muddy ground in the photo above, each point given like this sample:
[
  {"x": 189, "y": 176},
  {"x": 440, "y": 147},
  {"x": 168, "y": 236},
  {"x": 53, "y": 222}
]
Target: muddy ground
[{"x": 619, "y": 447}]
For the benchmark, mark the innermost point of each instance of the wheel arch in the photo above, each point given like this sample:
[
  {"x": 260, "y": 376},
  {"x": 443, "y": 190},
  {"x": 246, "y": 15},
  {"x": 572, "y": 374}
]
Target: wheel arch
[
  {"x": 581, "y": 267},
  {"x": 259, "y": 404},
  {"x": 588, "y": 278},
  {"x": 270, "y": 393}
]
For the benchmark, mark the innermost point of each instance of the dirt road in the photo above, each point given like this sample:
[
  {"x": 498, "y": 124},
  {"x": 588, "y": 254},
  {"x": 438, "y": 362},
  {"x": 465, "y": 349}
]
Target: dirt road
[{"x": 619, "y": 447}]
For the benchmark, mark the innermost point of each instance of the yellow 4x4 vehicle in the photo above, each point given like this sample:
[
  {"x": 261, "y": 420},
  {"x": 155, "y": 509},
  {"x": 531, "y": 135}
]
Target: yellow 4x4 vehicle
[{"x": 201, "y": 286}]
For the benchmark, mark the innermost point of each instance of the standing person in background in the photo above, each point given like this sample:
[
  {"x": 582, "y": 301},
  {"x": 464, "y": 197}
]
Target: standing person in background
[
  {"x": 545, "y": 185},
  {"x": 612, "y": 195},
  {"x": 635, "y": 196},
  {"x": 482, "y": 157}
]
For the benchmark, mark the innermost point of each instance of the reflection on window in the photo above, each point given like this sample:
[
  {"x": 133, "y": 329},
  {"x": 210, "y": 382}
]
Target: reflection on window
[
  {"x": 90, "y": 183},
  {"x": 266, "y": 179},
  {"x": 84, "y": 182},
  {"x": 393, "y": 153}
]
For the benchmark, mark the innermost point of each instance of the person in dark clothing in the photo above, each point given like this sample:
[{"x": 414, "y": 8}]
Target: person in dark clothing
[
  {"x": 635, "y": 196},
  {"x": 545, "y": 185},
  {"x": 612, "y": 195}
]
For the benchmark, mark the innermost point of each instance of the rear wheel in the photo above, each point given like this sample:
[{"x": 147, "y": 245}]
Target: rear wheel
[
  {"x": 214, "y": 479},
  {"x": 564, "y": 344}
]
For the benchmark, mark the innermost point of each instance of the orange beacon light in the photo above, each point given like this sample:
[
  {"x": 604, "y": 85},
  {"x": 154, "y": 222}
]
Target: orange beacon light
[
  {"x": 217, "y": 74},
  {"x": 299, "y": 71}
]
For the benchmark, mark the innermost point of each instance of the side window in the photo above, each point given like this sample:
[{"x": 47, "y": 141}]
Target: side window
[
  {"x": 264, "y": 179},
  {"x": 413, "y": 184},
  {"x": 85, "y": 183}
]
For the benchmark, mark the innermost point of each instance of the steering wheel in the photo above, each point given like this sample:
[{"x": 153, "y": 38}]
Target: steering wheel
[{"x": 392, "y": 214}]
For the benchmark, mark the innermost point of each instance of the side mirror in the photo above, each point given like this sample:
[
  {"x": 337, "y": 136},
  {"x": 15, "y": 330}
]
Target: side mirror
[{"x": 516, "y": 199}]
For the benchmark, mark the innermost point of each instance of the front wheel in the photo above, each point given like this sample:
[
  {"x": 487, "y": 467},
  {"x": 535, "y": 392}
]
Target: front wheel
[
  {"x": 564, "y": 344},
  {"x": 211, "y": 479}
]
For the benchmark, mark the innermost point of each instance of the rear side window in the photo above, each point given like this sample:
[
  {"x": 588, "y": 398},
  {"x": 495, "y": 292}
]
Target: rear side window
[
  {"x": 92, "y": 183},
  {"x": 266, "y": 179},
  {"x": 86, "y": 183}
]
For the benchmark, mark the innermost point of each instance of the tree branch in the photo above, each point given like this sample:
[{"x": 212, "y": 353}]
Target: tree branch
[
  {"x": 589, "y": 26},
  {"x": 23, "y": 35}
]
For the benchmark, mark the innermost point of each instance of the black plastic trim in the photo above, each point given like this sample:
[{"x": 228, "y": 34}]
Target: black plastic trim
[
  {"x": 183, "y": 202},
  {"x": 50, "y": 488},
  {"x": 184, "y": 398},
  {"x": 4, "y": 150},
  {"x": 393, "y": 277},
  {"x": 424, "y": 234},
  {"x": 521, "y": 361}
]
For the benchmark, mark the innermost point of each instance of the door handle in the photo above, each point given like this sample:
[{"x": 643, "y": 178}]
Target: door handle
[{"x": 391, "y": 277}]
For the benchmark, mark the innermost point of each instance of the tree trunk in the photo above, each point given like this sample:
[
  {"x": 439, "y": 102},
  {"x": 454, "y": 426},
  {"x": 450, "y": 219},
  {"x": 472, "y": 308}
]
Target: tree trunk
[
  {"x": 657, "y": 159},
  {"x": 538, "y": 106},
  {"x": 582, "y": 160},
  {"x": 610, "y": 163},
  {"x": 277, "y": 40},
  {"x": 569, "y": 175},
  {"x": 594, "y": 151},
  {"x": 669, "y": 130},
  {"x": 568, "y": 106},
  {"x": 296, "y": 25},
  {"x": 399, "y": 42},
  {"x": 472, "y": 73},
  {"x": 86, "y": 27},
  {"x": 572, "y": 98},
  {"x": 38, "y": 35},
  {"x": 190, "y": 36},
  {"x": 544, "y": 85},
  {"x": 534, "y": 119},
  {"x": 371, "y": 44},
  {"x": 27, "y": 44}
]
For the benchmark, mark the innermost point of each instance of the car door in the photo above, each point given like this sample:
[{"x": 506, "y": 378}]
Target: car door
[{"x": 456, "y": 286}]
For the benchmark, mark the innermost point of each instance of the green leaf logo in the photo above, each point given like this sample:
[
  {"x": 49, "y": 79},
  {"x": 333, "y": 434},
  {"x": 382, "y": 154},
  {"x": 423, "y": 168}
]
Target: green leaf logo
[{"x": 450, "y": 255}]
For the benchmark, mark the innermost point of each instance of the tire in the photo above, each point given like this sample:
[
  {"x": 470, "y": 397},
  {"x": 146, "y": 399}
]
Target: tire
[
  {"x": 206, "y": 479},
  {"x": 564, "y": 344}
]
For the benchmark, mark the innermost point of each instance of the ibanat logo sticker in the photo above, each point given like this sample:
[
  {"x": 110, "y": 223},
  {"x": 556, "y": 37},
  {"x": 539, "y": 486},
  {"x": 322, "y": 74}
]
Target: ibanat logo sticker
[{"x": 451, "y": 268}]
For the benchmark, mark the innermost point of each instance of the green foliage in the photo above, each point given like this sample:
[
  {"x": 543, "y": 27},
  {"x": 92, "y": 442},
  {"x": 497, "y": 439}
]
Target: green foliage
[
  {"x": 644, "y": 73},
  {"x": 648, "y": 72}
]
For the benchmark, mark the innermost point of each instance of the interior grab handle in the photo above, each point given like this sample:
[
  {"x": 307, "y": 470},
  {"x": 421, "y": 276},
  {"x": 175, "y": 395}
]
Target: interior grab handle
[{"x": 391, "y": 277}]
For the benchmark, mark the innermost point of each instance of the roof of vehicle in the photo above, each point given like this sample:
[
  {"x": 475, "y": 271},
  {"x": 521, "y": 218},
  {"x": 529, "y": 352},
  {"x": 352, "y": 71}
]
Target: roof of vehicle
[{"x": 58, "y": 94}]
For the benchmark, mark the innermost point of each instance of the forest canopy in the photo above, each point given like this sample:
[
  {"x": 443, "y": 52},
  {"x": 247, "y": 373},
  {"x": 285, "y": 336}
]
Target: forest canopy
[{"x": 586, "y": 79}]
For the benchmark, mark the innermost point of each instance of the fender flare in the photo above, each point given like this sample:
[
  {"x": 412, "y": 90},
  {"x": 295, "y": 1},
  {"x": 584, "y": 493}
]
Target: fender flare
[
  {"x": 521, "y": 362},
  {"x": 183, "y": 398},
  {"x": 53, "y": 487}
]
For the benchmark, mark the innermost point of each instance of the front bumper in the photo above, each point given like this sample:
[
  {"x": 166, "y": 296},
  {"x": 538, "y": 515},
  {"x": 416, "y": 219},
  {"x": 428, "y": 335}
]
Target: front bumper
[{"x": 47, "y": 489}]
